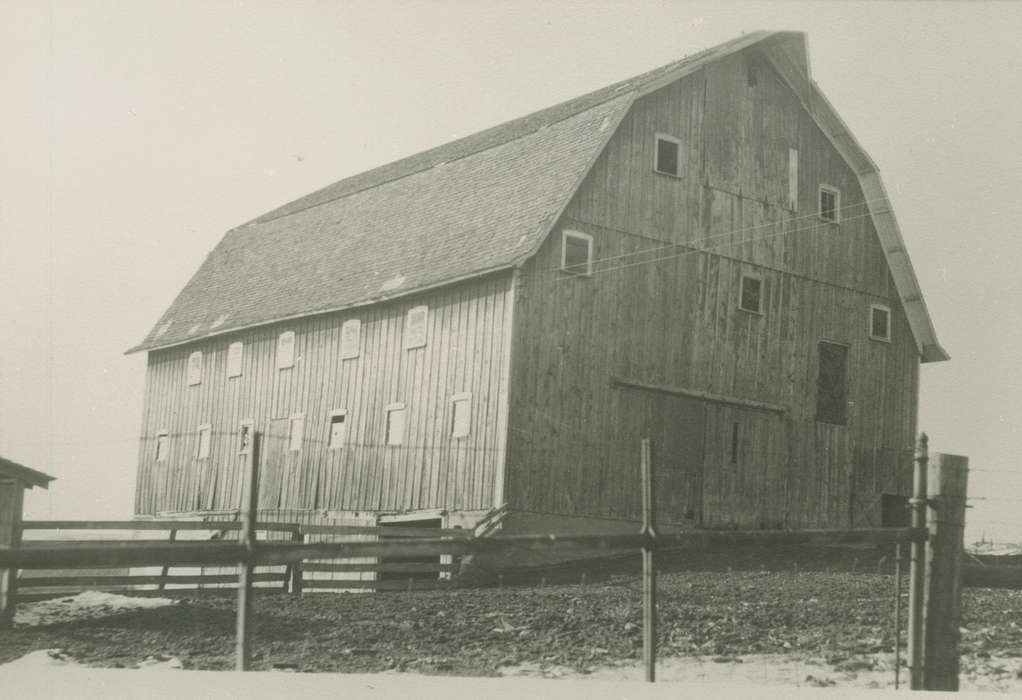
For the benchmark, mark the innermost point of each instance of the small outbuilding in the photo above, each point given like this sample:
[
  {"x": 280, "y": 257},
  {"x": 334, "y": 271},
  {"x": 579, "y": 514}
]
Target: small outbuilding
[{"x": 15, "y": 479}]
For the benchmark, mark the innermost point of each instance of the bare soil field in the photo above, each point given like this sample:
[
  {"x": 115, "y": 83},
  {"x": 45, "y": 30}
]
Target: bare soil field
[{"x": 828, "y": 621}]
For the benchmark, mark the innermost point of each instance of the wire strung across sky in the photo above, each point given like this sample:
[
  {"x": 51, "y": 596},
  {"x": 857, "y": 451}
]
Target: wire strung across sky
[{"x": 688, "y": 245}]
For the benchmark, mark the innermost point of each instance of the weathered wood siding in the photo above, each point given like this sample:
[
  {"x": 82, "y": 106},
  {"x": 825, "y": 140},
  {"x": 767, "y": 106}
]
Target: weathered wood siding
[
  {"x": 466, "y": 349},
  {"x": 660, "y": 310}
]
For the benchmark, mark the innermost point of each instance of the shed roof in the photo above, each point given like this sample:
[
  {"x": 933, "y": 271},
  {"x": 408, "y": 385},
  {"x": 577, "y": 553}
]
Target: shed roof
[
  {"x": 24, "y": 474},
  {"x": 473, "y": 206}
]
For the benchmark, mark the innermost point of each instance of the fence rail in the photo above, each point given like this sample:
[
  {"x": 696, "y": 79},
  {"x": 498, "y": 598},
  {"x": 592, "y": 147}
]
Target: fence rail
[
  {"x": 301, "y": 558},
  {"x": 55, "y": 569},
  {"x": 213, "y": 553}
]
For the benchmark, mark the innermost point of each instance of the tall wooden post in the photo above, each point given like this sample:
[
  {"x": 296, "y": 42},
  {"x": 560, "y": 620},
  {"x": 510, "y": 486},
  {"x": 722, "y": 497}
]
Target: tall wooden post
[
  {"x": 897, "y": 616},
  {"x": 948, "y": 482},
  {"x": 12, "y": 493},
  {"x": 297, "y": 577},
  {"x": 250, "y": 505},
  {"x": 648, "y": 565},
  {"x": 917, "y": 573}
]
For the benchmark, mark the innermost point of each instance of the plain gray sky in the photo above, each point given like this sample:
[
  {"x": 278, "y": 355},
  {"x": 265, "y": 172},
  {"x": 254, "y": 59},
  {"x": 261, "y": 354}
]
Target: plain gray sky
[{"x": 132, "y": 135}]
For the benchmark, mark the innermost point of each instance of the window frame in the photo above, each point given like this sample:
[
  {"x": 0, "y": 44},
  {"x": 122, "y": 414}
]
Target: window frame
[
  {"x": 661, "y": 136},
  {"x": 193, "y": 369},
  {"x": 837, "y": 203},
  {"x": 873, "y": 308},
  {"x": 588, "y": 238},
  {"x": 161, "y": 455},
  {"x": 741, "y": 292},
  {"x": 201, "y": 455},
  {"x": 464, "y": 398},
  {"x": 388, "y": 437},
  {"x": 237, "y": 371},
  {"x": 280, "y": 358},
  {"x": 291, "y": 442},
  {"x": 411, "y": 342},
  {"x": 350, "y": 353},
  {"x": 343, "y": 412}
]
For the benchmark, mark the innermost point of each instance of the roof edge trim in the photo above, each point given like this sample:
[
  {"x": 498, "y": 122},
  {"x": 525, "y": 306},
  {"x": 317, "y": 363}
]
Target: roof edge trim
[
  {"x": 330, "y": 310},
  {"x": 881, "y": 214},
  {"x": 548, "y": 226}
]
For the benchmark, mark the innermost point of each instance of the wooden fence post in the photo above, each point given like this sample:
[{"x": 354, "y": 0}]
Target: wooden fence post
[
  {"x": 166, "y": 569},
  {"x": 249, "y": 505},
  {"x": 948, "y": 482},
  {"x": 916, "y": 589},
  {"x": 649, "y": 616},
  {"x": 298, "y": 537},
  {"x": 12, "y": 494}
]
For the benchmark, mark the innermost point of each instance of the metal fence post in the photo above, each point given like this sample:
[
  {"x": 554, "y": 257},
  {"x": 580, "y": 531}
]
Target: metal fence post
[
  {"x": 250, "y": 504},
  {"x": 649, "y": 615},
  {"x": 917, "y": 568}
]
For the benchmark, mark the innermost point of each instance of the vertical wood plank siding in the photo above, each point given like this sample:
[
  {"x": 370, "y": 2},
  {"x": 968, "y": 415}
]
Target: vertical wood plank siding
[
  {"x": 670, "y": 316},
  {"x": 467, "y": 347}
]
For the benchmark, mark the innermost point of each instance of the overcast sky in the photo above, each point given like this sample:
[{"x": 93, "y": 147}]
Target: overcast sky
[{"x": 132, "y": 135}]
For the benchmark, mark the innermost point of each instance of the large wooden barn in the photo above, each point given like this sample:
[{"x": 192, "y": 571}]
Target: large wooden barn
[{"x": 702, "y": 254}]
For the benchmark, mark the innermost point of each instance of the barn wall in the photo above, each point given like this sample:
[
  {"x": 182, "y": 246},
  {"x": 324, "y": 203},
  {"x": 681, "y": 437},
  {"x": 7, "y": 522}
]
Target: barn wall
[
  {"x": 466, "y": 349},
  {"x": 662, "y": 308}
]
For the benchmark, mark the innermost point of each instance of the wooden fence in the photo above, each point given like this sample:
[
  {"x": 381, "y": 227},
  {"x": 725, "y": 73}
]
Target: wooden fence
[
  {"x": 363, "y": 573},
  {"x": 938, "y": 506}
]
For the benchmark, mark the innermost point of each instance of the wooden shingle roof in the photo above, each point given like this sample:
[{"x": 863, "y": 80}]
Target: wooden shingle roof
[{"x": 473, "y": 206}]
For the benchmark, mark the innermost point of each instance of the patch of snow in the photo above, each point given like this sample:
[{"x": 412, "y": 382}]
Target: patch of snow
[
  {"x": 41, "y": 658},
  {"x": 220, "y": 320},
  {"x": 870, "y": 671},
  {"x": 86, "y": 605},
  {"x": 393, "y": 283},
  {"x": 161, "y": 662}
]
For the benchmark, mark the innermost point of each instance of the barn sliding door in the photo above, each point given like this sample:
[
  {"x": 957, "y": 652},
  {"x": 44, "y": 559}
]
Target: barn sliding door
[
  {"x": 272, "y": 464},
  {"x": 676, "y": 427}
]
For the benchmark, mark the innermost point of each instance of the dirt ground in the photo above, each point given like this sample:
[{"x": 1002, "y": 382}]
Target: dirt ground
[{"x": 835, "y": 624}]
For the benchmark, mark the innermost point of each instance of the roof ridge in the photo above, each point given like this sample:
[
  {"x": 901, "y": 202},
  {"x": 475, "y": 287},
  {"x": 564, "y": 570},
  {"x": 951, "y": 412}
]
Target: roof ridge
[
  {"x": 265, "y": 218},
  {"x": 585, "y": 103}
]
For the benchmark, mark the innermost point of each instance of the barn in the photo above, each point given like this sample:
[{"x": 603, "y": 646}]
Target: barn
[{"x": 702, "y": 254}]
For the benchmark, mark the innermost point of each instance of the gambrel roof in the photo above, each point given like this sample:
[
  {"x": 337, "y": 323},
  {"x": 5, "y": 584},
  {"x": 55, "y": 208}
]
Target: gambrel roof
[{"x": 473, "y": 206}]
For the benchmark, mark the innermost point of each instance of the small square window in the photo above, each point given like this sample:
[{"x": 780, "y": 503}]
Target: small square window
[
  {"x": 205, "y": 435},
  {"x": 195, "y": 368},
  {"x": 234, "y": 354},
  {"x": 415, "y": 327},
  {"x": 880, "y": 322},
  {"x": 461, "y": 418},
  {"x": 830, "y": 204},
  {"x": 667, "y": 159},
  {"x": 577, "y": 253},
  {"x": 286, "y": 350},
  {"x": 351, "y": 337},
  {"x": 396, "y": 424},
  {"x": 162, "y": 443},
  {"x": 297, "y": 433},
  {"x": 751, "y": 294},
  {"x": 338, "y": 429}
]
